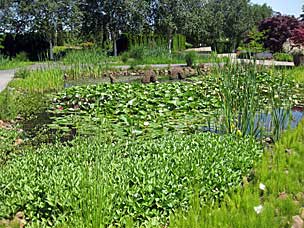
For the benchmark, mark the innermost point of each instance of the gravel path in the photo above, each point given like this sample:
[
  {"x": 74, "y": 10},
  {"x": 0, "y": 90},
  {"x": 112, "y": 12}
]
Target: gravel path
[{"x": 5, "y": 77}]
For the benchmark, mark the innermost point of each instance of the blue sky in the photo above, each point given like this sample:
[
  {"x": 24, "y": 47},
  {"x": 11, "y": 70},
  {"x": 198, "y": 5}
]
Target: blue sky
[{"x": 289, "y": 7}]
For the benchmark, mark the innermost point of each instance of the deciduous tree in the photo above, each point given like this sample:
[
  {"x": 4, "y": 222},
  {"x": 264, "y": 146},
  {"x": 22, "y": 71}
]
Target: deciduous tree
[{"x": 277, "y": 30}]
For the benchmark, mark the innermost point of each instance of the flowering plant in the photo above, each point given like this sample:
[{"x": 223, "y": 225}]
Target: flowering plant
[{"x": 295, "y": 44}]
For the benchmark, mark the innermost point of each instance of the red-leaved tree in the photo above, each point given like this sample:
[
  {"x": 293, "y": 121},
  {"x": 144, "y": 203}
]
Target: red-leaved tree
[
  {"x": 297, "y": 36},
  {"x": 277, "y": 30}
]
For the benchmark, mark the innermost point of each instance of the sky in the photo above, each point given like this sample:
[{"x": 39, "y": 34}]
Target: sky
[{"x": 286, "y": 7}]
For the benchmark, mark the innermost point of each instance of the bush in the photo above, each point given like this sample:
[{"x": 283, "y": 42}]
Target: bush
[
  {"x": 125, "y": 57},
  {"x": 283, "y": 57},
  {"x": 137, "y": 53},
  {"x": 277, "y": 30},
  {"x": 190, "y": 58},
  {"x": 22, "y": 57},
  {"x": 22, "y": 73}
]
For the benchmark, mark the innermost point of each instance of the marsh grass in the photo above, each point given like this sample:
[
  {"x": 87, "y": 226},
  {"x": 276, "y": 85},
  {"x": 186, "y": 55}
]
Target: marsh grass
[
  {"x": 6, "y": 63},
  {"x": 41, "y": 81},
  {"x": 282, "y": 174},
  {"x": 28, "y": 95},
  {"x": 241, "y": 94},
  {"x": 88, "y": 56}
]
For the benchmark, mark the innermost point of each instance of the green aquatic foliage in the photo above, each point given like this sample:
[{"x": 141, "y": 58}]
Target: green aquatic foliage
[
  {"x": 280, "y": 171},
  {"x": 7, "y": 145},
  {"x": 106, "y": 180},
  {"x": 220, "y": 98}
]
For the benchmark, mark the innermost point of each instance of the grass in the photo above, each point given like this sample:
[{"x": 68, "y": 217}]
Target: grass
[
  {"x": 104, "y": 178},
  {"x": 297, "y": 73},
  {"x": 133, "y": 57},
  {"x": 281, "y": 171},
  {"x": 26, "y": 95},
  {"x": 6, "y": 63}
]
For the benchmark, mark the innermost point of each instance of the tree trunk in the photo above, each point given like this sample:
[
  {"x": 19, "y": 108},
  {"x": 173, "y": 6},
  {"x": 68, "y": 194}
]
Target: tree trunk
[
  {"x": 114, "y": 44},
  {"x": 51, "y": 50},
  {"x": 170, "y": 44},
  {"x": 298, "y": 60}
]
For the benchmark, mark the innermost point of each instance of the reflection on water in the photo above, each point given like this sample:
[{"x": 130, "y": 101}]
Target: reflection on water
[
  {"x": 265, "y": 123},
  {"x": 281, "y": 117}
]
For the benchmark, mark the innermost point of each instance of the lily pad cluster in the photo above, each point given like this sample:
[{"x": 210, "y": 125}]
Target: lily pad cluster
[{"x": 139, "y": 108}]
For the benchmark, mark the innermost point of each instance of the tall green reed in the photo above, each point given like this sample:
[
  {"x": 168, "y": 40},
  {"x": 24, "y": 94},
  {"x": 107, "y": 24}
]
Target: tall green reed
[{"x": 242, "y": 108}]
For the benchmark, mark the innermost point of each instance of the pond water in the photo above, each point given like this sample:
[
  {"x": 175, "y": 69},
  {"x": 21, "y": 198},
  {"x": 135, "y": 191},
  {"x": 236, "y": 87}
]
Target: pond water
[
  {"x": 102, "y": 80},
  {"x": 265, "y": 123}
]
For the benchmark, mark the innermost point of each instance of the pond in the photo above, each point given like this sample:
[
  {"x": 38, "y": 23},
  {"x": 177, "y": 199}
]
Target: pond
[{"x": 266, "y": 123}]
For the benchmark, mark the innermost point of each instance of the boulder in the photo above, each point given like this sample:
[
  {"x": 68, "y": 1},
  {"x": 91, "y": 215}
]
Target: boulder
[
  {"x": 149, "y": 76},
  {"x": 176, "y": 73}
]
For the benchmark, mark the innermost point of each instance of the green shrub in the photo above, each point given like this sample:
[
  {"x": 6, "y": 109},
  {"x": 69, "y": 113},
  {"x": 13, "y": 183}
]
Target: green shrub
[
  {"x": 137, "y": 53},
  {"x": 190, "y": 58},
  {"x": 14, "y": 103},
  {"x": 22, "y": 57},
  {"x": 8, "y": 138},
  {"x": 22, "y": 73},
  {"x": 125, "y": 57},
  {"x": 62, "y": 51},
  {"x": 85, "y": 56},
  {"x": 282, "y": 57},
  {"x": 87, "y": 45}
]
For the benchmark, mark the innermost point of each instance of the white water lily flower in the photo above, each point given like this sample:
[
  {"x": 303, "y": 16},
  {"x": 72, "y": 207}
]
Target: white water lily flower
[
  {"x": 258, "y": 209},
  {"x": 146, "y": 123},
  {"x": 131, "y": 101},
  {"x": 262, "y": 187}
]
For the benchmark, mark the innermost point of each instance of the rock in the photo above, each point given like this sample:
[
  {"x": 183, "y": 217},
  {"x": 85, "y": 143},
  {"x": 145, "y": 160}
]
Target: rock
[
  {"x": 189, "y": 71},
  {"x": 149, "y": 76},
  {"x": 5, "y": 125},
  {"x": 283, "y": 195},
  {"x": 112, "y": 78},
  {"x": 302, "y": 213},
  {"x": 18, "y": 221},
  {"x": 297, "y": 222},
  {"x": 269, "y": 140},
  {"x": 288, "y": 151},
  {"x": 133, "y": 74},
  {"x": 18, "y": 142},
  {"x": 299, "y": 196},
  {"x": 176, "y": 73}
]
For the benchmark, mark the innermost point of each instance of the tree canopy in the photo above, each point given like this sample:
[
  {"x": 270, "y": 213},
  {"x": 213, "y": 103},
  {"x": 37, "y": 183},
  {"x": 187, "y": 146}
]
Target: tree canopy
[{"x": 206, "y": 22}]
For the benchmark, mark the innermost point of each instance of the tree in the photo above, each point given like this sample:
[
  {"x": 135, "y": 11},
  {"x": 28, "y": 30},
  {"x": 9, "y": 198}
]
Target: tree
[
  {"x": 170, "y": 16},
  {"x": 277, "y": 30},
  {"x": 115, "y": 17},
  {"x": 259, "y": 12},
  {"x": 220, "y": 22},
  {"x": 42, "y": 16},
  {"x": 236, "y": 15}
]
